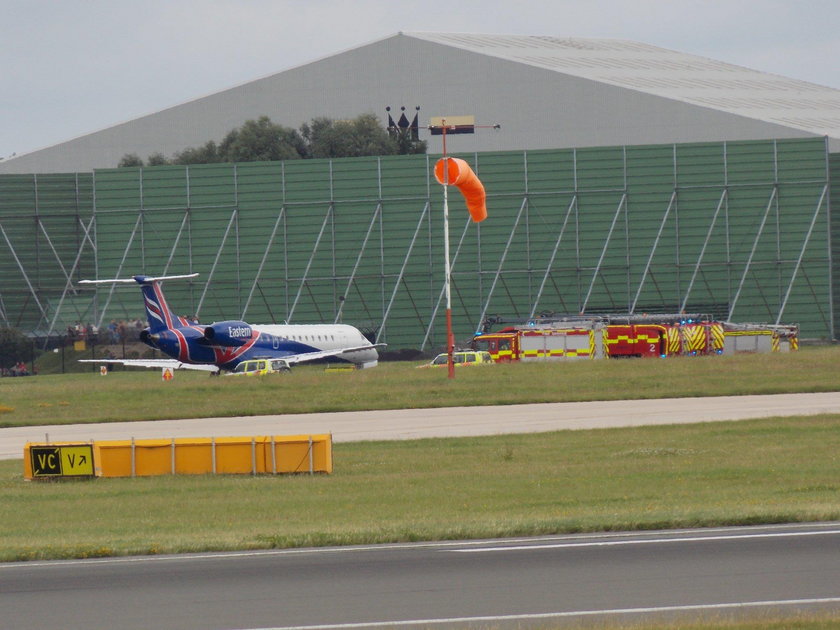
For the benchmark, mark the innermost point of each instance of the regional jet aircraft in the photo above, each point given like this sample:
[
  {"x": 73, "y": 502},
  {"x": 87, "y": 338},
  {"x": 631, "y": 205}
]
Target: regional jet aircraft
[{"x": 222, "y": 345}]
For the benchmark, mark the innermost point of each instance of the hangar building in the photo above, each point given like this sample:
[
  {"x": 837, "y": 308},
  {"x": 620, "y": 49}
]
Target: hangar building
[
  {"x": 546, "y": 92},
  {"x": 625, "y": 178}
]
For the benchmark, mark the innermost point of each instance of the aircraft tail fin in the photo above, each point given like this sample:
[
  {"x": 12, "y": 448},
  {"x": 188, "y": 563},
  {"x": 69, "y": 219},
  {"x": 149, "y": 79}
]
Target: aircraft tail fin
[{"x": 159, "y": 315}]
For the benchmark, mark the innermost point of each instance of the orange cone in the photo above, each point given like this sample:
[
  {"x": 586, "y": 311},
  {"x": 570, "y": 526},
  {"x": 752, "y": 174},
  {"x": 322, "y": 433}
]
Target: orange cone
[{"x": 461, "y": 175}]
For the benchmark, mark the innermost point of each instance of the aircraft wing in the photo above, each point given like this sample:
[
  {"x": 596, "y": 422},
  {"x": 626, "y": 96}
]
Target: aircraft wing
[
  {"x": 323, "y": 354},
  {"x": 206, "y": 367},
  {"x": 156, "y": 363}
]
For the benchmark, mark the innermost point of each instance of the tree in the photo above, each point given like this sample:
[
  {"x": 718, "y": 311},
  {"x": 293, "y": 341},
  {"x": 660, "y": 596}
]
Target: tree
[
  {"x": 262, "y": 139},
  {"x": 207, "y": 154},
  {"x": 157, "y": 159},
  {"x": 14, "y": 347},
  {"x": 130, "y": 159},
  {"x": 362, "y": 136},
  {"x": 407, "y": 145}
]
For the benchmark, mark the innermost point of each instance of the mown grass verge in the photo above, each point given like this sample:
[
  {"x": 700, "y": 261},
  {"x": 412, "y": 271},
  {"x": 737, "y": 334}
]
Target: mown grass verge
[
  {"x": 739, "y": 473},
  {"x": 141, "y": 395}
]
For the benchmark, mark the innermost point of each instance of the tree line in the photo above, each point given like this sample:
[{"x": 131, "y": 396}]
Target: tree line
[{"x": 262, "y": 139}]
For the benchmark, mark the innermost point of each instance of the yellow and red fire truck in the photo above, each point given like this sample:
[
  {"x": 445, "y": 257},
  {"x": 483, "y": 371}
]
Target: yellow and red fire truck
[{"x": 611, "y": 336}]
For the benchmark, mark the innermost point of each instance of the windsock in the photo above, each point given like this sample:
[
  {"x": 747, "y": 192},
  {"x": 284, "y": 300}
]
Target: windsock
[{"x": 461, "y": 175}]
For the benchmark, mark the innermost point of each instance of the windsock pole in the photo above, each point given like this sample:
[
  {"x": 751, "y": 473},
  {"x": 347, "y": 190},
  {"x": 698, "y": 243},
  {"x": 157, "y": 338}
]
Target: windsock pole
[
  {"x": 474, "y": 194},
  {"x": 450, "y": 336}
]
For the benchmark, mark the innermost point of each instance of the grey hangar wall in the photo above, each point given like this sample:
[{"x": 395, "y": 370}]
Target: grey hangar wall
[{"x": 740, "y": 230}]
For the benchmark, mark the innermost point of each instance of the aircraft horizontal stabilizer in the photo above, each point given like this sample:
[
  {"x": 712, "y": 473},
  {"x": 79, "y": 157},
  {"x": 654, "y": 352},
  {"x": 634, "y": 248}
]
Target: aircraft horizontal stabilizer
[{"x": 135, "y": 279}]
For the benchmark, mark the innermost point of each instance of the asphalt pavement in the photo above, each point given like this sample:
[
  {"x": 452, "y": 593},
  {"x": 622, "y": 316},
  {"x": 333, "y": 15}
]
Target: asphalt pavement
[
  {"x": 546, "y": 581},
  {"x": 407, "y": 424}
]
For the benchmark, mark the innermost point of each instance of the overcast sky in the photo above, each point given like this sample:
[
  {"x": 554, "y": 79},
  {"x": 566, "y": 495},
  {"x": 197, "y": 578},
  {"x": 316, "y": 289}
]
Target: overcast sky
[{"x": 69, "y": 67}]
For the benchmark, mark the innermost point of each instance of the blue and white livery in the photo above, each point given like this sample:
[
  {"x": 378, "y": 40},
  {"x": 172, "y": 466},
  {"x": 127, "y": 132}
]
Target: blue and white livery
[{"x": 222, "y": 345}]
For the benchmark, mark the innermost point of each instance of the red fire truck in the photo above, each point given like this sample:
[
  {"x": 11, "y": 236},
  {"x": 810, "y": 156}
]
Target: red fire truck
[{"x": 617, "y": 336}]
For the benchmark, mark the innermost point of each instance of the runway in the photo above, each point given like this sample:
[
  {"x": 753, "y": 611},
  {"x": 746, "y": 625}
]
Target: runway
[
  {"x": 406, "y": 424},
  {"x": 478, "y": 584},
  {"x": 496, "y": 583}
]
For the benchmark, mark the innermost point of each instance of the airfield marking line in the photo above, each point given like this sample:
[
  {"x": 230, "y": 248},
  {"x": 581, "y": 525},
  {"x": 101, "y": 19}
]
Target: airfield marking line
[
  {"x": 646, "y": 541},
  {"x": 557, "y": 615},
  {"x": 473, "y": 546}
]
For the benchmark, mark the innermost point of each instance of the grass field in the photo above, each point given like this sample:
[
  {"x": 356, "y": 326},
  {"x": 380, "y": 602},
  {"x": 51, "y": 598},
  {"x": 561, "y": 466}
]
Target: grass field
[
  {"x": 141, "y": 395},
  {"x": 746, "y": 472},
  {"x": 759, "y": 471},
  {"x": 650, "y": 477}
]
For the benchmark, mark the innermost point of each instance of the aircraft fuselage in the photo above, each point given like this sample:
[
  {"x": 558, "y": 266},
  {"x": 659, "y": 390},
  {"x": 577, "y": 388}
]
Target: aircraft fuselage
[{"x": 227, "y": 343}]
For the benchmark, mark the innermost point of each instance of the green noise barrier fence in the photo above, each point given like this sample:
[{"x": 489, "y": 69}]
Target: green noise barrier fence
[{"x": 739, "y": 230}]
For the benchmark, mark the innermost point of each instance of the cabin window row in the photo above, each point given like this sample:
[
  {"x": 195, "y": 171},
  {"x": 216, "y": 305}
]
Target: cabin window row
[{"x": 305, "y": 338}]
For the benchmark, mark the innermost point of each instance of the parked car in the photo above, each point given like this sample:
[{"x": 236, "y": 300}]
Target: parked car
[
  {"x": 260, "y": 367},
  {"x": 461, "y": 358}
]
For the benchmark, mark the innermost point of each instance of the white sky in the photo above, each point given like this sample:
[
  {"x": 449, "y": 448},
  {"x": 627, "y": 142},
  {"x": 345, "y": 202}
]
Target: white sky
[{"x": 69, "y": 67}]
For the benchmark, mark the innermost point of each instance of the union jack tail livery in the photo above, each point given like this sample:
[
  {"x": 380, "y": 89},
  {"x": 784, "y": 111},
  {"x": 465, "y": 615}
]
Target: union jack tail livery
[{"x": 157, "y": 311}]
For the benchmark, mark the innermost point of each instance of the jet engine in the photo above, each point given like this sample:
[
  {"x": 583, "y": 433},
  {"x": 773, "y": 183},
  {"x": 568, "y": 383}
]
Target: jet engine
[{"x": 230, "y": 333}]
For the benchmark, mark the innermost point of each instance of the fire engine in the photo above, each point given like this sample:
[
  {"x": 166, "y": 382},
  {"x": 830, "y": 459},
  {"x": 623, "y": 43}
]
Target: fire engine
[{"x": 620, "y": 336}]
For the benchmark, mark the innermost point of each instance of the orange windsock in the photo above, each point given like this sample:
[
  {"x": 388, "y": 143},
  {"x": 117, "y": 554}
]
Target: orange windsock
[{"x": 461, "y": 175}]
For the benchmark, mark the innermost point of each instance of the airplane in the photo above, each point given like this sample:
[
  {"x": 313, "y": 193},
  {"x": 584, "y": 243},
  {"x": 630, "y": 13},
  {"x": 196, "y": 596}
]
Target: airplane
[{"x": 223, "y": 345}]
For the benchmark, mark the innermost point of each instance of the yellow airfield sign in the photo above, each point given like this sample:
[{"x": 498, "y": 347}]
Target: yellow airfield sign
[{"x": 61, "y": 460}]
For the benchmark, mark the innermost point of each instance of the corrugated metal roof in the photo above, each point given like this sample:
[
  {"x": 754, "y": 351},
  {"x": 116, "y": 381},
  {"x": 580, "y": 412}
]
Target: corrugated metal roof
[{"x": 667, "y": 73}]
